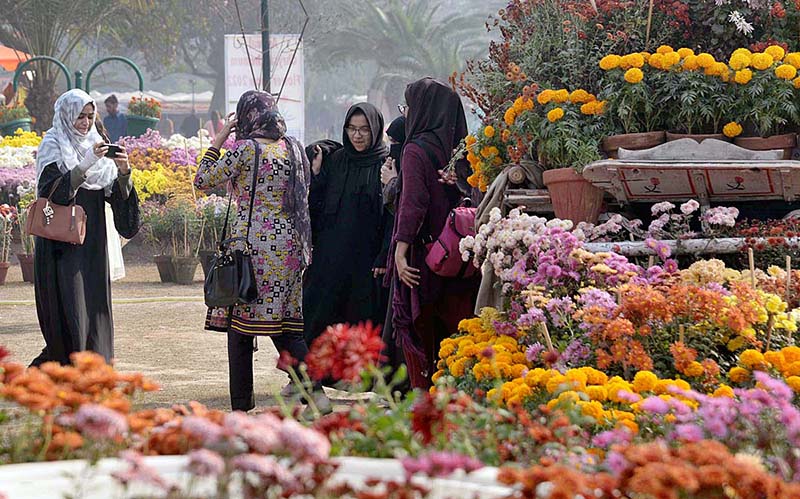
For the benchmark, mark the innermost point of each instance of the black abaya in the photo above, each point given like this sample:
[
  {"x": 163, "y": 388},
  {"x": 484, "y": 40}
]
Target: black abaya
[
  {"x": 72, "y": 282},
  {"x": 348, "y": 219}
]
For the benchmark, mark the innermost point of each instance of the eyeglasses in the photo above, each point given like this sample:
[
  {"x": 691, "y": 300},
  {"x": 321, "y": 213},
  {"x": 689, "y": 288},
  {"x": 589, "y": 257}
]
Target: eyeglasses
[
  {"x": 364, "y": 131},
  {"x": 402, "y": 108}
]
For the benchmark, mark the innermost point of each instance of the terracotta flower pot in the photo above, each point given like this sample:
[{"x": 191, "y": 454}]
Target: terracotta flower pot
[
  {"x": 785, "y": 142},
  {"x": 3, "y": 272},
  {"x": 632, "y": 142},
  {"x": 26, "y": 264},
  {"x": 166, "y": 270},
  {"x": 573, "y": 197},
  {"x": 698, "y": 137},
  {"x": 185, "y": 268}
]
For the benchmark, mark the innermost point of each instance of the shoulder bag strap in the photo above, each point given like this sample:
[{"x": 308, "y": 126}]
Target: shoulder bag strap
[
  {"x": 253, "y": 190},
  {"x": 227, "y": 216}
]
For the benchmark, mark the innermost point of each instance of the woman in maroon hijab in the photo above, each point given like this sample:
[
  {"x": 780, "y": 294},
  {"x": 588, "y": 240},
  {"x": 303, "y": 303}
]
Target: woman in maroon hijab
[{"x": 427, "y": 308}]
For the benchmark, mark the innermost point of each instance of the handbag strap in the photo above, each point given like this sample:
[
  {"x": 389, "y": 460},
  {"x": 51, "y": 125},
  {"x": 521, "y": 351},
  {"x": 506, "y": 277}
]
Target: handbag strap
[
  {"x": 56, "y": 183},
  {"x": 223, "y": 239}
]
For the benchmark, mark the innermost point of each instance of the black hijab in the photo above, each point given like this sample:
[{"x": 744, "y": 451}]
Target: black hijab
[
  {"x": 353, "y": 171},
  {"x": 397, "y": 129},
  {"x": 377, "y": 150},
  {"x": 436, "y": 121}
]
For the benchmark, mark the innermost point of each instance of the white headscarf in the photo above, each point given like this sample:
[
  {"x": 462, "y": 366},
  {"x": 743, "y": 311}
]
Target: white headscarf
[{"x": 64, "y": 145}]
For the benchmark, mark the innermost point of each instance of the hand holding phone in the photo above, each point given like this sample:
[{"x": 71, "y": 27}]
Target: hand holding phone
[{"x": 113, "y": 150}]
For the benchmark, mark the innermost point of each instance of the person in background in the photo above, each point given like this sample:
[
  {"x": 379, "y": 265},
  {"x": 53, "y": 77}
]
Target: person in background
[
  {"x": 115, "y": 122},
  {"x": 427, "y": 308},
  {"x": 166, "y": 127},
  {"x": 390, "y": 179},
  {"x": 214, "y": 125},
  {"x": 190, "y": 125},
  {"x": 72, "y": 282},
  {"x": 280, "y": 235},
  {"x": 347, "y": 217}
]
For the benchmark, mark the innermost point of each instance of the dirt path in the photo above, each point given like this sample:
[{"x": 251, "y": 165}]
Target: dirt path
[{"x": 162, "y": 338}]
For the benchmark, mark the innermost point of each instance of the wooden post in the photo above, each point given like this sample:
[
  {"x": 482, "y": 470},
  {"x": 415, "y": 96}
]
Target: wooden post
[
  {"x": 649, "y": 24},
  {"x": 751, "y": 263},
  {"x": 651, "y": 261},
  {"x": 547, "y": 337},
  {"x": 787, "y": 294}
]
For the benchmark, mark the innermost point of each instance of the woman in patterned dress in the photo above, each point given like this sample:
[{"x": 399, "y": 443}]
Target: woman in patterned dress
[{"x": 280, "y": 235}]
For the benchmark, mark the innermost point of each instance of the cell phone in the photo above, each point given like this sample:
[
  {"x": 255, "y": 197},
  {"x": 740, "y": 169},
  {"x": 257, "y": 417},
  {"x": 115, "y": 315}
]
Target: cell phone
[
  {"x": 394, "y": 153},
  {"x": 113, "y": 150}
]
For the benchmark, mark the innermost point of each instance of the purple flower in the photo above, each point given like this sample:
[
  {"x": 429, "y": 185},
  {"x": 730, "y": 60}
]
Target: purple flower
[
  {"x": 208, "y": 432},
  {"x": 439, "y": 464},
  {"x": 266, "y": 467},
  {"x": 534, "y": 352},
  {"x": 140, "y": 472},
  {"x": 99, "y": 422},
  {"x": 655, "y": 405},
  {"x": 616, "y": 463},
  {"x": 688, "y": 433},
  {"x": 606, "y": 439},
  {"x": 203, "y": 462},
  {"x": 304, "y": 443},
  {"x": 505, "y": 328}
]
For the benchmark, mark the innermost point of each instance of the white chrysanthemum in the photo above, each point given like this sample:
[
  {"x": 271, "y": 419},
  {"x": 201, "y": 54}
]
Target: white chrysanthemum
[{"x": 742, "y": 26}]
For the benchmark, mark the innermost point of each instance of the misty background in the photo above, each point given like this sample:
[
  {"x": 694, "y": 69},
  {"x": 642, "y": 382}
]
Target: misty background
[{"x": 353, "y": 49}]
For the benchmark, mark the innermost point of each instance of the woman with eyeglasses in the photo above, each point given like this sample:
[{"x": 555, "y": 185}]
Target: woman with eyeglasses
[{"x": 348, "y": 222}]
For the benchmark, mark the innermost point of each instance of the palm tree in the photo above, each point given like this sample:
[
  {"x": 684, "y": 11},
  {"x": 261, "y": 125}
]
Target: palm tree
[{"x": 406, "y": 41}]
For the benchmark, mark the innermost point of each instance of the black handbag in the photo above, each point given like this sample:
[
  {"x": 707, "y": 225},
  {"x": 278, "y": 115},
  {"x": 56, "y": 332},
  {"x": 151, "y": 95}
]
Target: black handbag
[{"x": 231, "y": 278}]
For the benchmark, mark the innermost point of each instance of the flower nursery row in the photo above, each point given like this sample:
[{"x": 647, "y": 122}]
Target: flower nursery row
[{"x": 746, "y": 98}]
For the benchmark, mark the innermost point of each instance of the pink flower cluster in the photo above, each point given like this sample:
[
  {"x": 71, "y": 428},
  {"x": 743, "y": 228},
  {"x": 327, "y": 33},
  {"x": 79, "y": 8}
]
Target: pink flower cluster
[{"x": 439, "y": 464}]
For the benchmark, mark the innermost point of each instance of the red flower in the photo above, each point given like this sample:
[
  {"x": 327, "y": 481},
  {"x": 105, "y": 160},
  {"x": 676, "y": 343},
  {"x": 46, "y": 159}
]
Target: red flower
[
  {"x": 4, "y": 353},
  {"x": 343, "y": 351},
  {"x": 424, "y": 416}
]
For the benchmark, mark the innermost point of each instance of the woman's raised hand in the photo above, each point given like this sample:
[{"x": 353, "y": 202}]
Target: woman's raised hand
[
  {"x": 121, "y": 159},
  {"x": 227, "y": 128},
  {"x": 388, "y": 171},
  {"x": 316, "y": 163}
]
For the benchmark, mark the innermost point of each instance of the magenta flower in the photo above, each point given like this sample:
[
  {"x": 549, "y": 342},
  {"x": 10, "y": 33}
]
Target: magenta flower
[
  {"x": 203, "y": 462},
  {"x": 208, "y": 432},
  {"x": 439, "y": 464},
  {"x": 655, "y": 405},
  {"x": 100, "y": 423},
  {"x": 140, "y": 472}
]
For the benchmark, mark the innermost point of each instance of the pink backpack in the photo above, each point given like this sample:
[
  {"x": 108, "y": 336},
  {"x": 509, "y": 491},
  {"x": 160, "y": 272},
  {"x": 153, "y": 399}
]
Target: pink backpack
[{"x": 444, "y": 256}]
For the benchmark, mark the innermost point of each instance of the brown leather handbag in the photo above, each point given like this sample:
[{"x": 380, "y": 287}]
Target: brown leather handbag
[{"x": 57, "y": 222}]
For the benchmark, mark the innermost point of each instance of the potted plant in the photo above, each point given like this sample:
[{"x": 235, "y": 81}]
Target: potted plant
[
  {"x": 8, "y": 217},
  {"x": 26, "y": 257},
  {"x": 143, "y": 113},
  {"x": 768, "y": 106},
  {"x": 156, "y": 230},
  {"x": 630, "y": 86},
  {"x": 699, "y": 95},
  {"x": 13, "y": 118},
  {"x": 211, "y": 210},
  {"x": 566, "y": 128}
]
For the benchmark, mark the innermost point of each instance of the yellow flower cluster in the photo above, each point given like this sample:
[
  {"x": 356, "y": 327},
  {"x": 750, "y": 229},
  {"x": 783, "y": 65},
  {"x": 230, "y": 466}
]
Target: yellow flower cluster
[
  {"x": 786, "y": 361},
  {"x": 20, "y": 139},
  {"x": 520, "y": 105},
  {"x": 732, "y": 129}
]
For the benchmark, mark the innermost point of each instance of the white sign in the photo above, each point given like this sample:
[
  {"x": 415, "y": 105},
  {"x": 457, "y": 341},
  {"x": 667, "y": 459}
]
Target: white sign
[{"x": 239, "y": 75}]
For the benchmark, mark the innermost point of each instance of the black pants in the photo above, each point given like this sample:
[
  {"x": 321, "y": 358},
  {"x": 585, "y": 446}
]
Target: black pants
[{"x": 240, "y": 363}]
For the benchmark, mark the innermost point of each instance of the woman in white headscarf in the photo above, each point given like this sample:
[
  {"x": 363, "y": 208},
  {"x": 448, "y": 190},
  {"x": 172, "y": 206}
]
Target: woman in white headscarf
[{"x": 72, "y": 282}]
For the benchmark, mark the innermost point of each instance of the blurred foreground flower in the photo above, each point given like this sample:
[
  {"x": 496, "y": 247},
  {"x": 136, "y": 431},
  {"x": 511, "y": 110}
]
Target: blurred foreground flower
[{"x": 343, "y": 351}]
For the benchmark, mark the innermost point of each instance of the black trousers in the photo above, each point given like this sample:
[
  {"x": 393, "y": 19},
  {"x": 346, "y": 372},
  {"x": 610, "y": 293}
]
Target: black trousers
[{"x": 240, "y": 363}]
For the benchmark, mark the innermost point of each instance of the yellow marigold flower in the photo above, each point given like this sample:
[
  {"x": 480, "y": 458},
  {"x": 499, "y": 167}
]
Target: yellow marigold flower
[
  {"x": 470, "y": 140},
  {"x": 786, "y": 71},
  {"x": 793, "y": 58},
  {"x": 794, "y": 383},
  {"x": 791, "y": 354},
  {"x": 446, "y": 350},
  {"x": 561, "y": 96},
  {"x": 682, "y": 384},
  {"x": 776, "y": 52},
  {"x": 762, "y": 61},
  {"x": 743, "y": 76},
  {"x": 489, "y": 131},
  {"x": 716, "y": 69},
  {"x": 634, "y": 75},
  {"x": 486, "y": 152},
  {"x": 510, "y": 116},
  {"x": 545, "y": 96},
  {"x": 664, "y": 49},
  {"x": 751, "y": 358},
  {"x": 723, "y": 391},
  {"x": 705, "y": 60},
  {"x": 671, "y": 59},
  {"x": 581, "y": 96},
  {"x": 437, "y": 375},
  {"x": 635, "y": 60},
  {"x": 595, "y": 376},
  {"x": 506, "y": 135},
  {"x": 589, "y": 108},
  {"x": 690, "y": 63},
  {"x": 775, "y": 359},
  {"x": 555, "y": 382},
  {"x": 629, "y": 424},
  {"x": 578, "y": 376},
  {"x": 684, "y": 52},
  {"x": 732, "y": 129},
  {"x": 694, "y": 369},
  {"x": 644, "y": 381},
  {"x": 494, "y": 151},
  {"x": 656, "y": 61},
  {"x": 610, "y": 62},
  {"x": 645, "y": 55},
  {"x": 596, "y": 392},
  {"x": 738, "y": 374},
  {"x": 739, "y": 61},
  {"x": 744, "y": 51},
  {"x": 555, "y": 114},
  {"x": 592, "y": 409}
]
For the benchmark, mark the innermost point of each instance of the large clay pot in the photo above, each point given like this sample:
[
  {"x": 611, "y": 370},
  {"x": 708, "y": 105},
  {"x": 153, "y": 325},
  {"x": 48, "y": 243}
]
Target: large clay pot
[
  {"x": 3, "y": 272},
  {"x": 26, "y": 264},
  {"x": 573, "y": 197},
  {"x": 785, "y": 142},
  {"x": 139, "y": 125},
  {"x": 185, "y": 268},
  {"x": 166, "y": 271},
  {"x": 205, "y": 260},
  {"x": 632, "y": 142},
  {"x": 698, "y": 137}
]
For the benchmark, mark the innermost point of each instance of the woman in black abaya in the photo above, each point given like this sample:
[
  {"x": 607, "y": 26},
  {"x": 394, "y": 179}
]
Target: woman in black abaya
[
  {"x": 72, "y": 282},
  {"x": 348, "y": 219}
]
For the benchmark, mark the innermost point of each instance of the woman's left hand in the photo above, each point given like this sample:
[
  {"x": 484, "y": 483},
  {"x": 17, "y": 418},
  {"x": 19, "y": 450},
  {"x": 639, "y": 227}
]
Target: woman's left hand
[
  {"x": 121, "y": 159},
  {"x": 378, "y": 271}
]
